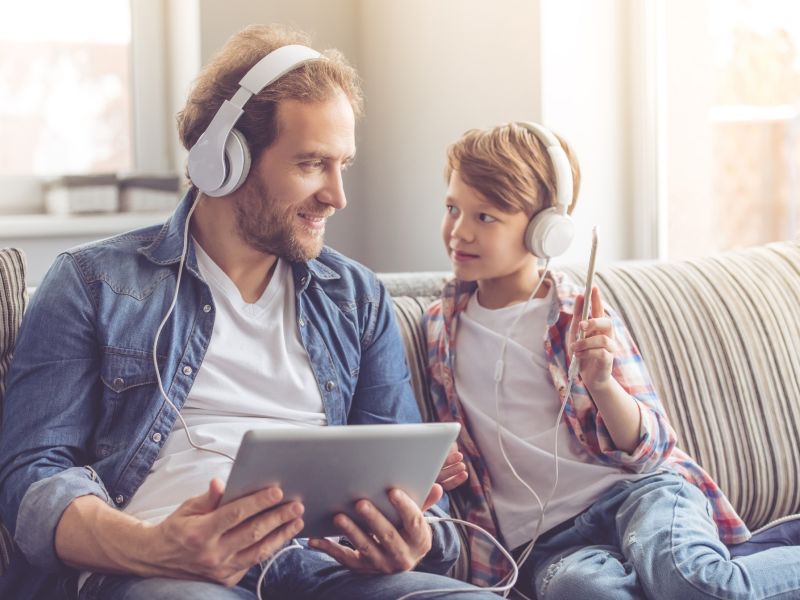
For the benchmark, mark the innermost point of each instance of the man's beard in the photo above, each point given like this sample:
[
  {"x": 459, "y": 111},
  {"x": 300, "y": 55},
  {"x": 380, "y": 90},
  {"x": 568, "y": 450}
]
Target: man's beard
[{"x": 271, "y": 232}]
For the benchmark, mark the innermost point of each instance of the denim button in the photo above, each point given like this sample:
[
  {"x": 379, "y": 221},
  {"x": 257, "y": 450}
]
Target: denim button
[
  {"x": 119, "y": 499},
  {"x": 156, "y": 437},
  {"x": 207, "y": 308},
  {"x": 187, "y": 370},
  {"x": 330, "y": 385},
  {"x": 118, "y": 383}
]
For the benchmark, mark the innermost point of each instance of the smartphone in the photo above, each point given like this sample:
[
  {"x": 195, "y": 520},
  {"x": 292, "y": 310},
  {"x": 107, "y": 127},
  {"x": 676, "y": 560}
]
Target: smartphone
[{"x": 587, "y": 293}]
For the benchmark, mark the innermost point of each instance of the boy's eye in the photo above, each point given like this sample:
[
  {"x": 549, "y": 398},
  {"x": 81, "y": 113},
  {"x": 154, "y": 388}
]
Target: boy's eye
[
  {"x": 451, "y": 210},
  {"x": 487, "y": 218}
]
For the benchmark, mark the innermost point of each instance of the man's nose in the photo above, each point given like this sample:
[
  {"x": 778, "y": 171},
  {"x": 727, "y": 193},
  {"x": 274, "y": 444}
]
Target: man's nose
[{"x": 333, "y": 192}]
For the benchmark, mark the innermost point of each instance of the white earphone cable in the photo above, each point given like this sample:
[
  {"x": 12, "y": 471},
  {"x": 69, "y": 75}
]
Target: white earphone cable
[
  {"x": 572, "y": 373},
  {"x": 184, "y": 252}
]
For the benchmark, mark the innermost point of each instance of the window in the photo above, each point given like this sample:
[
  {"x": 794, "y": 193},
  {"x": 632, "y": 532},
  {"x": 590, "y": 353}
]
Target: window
[
  {"x": 731, "y": 129},
  {"x": 82, "y": 91},
  {"x": 65, "y": 105}
]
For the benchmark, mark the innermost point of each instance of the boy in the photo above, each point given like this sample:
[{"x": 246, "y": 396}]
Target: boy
[{"x": 631, "y": 516}]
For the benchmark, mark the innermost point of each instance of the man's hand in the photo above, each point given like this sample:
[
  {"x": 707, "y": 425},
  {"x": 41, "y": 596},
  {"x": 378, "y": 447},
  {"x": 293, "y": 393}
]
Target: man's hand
[
  {"x": 200, "y": 540},
  {"x": 220, "y": 543},
  {"x": 454, "y": 471},
  {"x": 380, "y": 547}
]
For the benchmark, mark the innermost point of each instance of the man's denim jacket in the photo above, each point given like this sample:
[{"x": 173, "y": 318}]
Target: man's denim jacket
[{"x": 83, "y": 414}]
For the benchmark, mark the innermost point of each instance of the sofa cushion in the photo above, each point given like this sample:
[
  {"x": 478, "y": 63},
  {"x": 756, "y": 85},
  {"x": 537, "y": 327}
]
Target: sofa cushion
[
  {"x": 12, "y": 304},
  {"x": 721, "y": 337}
]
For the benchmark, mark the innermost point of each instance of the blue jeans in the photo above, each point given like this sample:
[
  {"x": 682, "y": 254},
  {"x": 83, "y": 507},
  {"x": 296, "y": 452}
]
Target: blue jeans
[
  {"x": 655, "y": 538},
  {"x": 295, "y": 575}
]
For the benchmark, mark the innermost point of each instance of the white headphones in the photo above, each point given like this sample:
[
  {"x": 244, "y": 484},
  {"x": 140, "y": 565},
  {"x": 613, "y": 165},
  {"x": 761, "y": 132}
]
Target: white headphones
[
  {"x": 220, "y": 159},
  {"x": 550, "y": 232}
]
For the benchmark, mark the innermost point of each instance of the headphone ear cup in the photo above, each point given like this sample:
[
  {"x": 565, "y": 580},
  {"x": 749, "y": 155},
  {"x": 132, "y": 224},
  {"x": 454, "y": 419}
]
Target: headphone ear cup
[
  {"x": 549, "y": 234},
  {"x": 237, "y": 164}
]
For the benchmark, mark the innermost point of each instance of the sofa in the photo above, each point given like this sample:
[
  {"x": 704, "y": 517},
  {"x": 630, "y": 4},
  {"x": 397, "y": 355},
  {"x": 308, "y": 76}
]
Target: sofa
[{"x": 720, "y": 334}]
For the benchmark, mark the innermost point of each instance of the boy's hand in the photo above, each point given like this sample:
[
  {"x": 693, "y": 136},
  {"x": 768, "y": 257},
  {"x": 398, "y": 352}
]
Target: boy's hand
[
  {"x": 595, "y": 352},
  {"x": 454, "y": 471}
]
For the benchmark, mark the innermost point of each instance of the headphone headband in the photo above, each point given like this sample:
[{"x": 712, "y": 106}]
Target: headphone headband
[
  {"x": 550, "y": 232},
  {"x": 220, "y": 159},
  {"x": 560, "y": 162}
]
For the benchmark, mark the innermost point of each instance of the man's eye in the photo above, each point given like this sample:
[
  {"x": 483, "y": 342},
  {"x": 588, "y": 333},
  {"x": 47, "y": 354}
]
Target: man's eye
[{"x": 312, "y": 164}]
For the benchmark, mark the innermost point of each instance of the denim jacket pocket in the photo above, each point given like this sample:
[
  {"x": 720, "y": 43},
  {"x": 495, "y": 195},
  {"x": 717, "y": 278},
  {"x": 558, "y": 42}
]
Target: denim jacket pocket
[{"x": 123, "y": 370}]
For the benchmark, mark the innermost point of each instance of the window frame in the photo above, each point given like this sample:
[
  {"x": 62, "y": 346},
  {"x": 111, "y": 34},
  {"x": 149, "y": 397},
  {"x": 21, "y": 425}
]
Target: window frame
[{"x": 23, "y": 194}]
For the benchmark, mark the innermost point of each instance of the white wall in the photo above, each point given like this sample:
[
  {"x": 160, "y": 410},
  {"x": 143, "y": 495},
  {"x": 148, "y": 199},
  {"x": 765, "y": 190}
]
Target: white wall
[
  {"x": 433, "y": 70},
  {"x": 584, "y": 87}
]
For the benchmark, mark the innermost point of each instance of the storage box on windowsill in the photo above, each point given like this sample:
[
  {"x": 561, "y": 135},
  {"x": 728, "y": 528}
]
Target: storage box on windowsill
[
  {"x": 148, "y": 193},
  {"x": 81, "y": 194}
]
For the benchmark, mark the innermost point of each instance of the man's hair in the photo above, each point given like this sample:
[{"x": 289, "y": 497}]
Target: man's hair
[
  {"x": 510, "y": 167},
  {"x": 315, "y": 81}
]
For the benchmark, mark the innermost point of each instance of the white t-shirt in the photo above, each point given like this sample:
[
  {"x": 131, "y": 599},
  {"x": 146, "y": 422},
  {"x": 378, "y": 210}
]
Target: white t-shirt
[
  {"x": 528, "y": 410},
  {"x": 256, "y": 374}
]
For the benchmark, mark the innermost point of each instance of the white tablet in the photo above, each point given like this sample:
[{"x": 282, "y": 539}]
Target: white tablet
[{"x": 330, "y": 468}]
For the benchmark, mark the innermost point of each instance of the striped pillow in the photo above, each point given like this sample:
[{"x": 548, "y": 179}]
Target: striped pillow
[
  {"x": 721, "y": 337},
  {"x": 12, "y": 304}
]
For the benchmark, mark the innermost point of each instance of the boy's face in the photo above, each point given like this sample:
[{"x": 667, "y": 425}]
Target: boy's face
[
  {"x": 483, "y": 242},
  {"x": 296, "y": 184}
]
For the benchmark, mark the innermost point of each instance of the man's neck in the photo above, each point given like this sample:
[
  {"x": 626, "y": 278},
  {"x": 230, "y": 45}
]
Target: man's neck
[{"x": 214, "y": 228}]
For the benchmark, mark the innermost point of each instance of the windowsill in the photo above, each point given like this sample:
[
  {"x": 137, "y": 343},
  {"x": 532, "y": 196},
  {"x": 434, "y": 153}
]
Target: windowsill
[{"x": 46, "y": 226}]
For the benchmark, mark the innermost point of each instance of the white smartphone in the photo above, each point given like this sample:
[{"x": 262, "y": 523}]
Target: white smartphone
[
  {"x": 587, "y": 293},
  {"x": 587, "y": 302}
]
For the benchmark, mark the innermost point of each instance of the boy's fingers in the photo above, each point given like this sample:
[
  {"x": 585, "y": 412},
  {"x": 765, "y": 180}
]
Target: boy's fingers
[{"x": 597, "y": 303}]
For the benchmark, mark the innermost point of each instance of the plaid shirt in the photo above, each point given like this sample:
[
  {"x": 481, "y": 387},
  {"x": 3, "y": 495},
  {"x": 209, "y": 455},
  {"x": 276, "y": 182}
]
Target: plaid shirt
[{"x": 656, "y": 450}]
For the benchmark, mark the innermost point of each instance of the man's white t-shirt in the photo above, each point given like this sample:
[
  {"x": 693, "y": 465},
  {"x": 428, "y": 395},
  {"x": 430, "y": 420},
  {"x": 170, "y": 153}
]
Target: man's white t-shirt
[
  {"x": 256, "y": 374},
  {"x": 528, "y": 410}
]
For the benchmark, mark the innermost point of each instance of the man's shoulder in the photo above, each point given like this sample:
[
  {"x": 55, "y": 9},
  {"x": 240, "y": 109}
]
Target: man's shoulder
[
  {"x": 122, "y": 244},
  {"x": 118, "y": 259}
]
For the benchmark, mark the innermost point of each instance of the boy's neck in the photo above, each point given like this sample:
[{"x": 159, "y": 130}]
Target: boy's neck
[{"x": 510, "y": 289}]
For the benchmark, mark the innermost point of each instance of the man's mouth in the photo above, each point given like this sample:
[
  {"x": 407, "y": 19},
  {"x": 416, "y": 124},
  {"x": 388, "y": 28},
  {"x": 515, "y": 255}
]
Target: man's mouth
[{"x": 312, "y": 221}]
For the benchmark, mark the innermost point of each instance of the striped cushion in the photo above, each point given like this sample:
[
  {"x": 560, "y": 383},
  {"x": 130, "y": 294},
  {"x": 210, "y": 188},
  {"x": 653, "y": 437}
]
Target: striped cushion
[
  {"x": 12, "y": 304},
  {"x": 721, "y": 336}
]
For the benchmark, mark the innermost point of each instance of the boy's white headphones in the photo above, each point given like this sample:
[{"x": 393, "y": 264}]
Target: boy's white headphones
[
  {"x": 220, "y": 159},
  {"x": 550, "y": 232}
]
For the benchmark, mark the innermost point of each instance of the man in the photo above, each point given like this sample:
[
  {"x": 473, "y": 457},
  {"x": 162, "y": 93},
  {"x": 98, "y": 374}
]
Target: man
[{"x": 103, "y": 482}]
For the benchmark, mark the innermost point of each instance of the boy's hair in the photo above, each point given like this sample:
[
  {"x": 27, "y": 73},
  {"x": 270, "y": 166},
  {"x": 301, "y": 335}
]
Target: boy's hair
[
  {"x": 510, "y": 167},
  {"x": 315, "y": 81}
]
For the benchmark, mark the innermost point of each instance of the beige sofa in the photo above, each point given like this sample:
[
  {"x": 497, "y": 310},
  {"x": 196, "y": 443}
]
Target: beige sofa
[{"x": 720, "y": 334}]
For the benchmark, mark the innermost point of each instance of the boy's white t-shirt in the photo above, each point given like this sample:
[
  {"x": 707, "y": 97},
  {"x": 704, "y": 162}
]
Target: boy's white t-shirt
[{"x": 528, "y": 410}]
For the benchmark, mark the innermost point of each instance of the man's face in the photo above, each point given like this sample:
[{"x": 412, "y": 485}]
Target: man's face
[{"x": 296, "y": 184}]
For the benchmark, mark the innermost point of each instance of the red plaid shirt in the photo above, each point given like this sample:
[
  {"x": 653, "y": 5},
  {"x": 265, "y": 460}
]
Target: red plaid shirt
[{"x": 656, "y": 450}]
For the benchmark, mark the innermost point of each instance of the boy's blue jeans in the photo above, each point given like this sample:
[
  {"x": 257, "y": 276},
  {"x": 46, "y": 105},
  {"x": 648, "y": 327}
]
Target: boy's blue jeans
[
  {"x": 296, "y": 575},
  {"x": 654, "y": 538}
]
